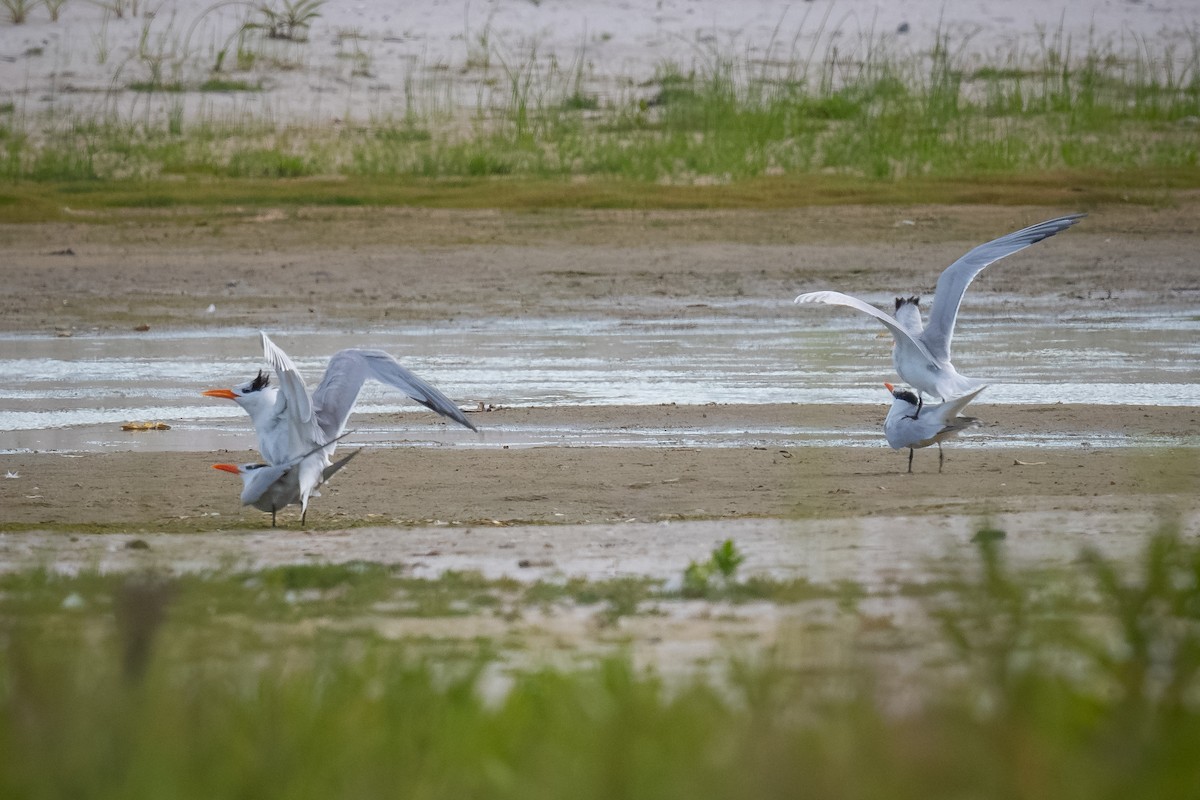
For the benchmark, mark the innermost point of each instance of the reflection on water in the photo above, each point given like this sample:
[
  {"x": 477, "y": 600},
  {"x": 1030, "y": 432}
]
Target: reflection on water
[{"x": 54, "y": 391}]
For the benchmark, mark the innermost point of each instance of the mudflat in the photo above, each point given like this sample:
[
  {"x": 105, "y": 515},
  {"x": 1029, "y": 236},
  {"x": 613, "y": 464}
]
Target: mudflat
[{"x": 373, "y": 266}]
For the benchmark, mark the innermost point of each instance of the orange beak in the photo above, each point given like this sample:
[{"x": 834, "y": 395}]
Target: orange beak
[
  {"x": 226, "y": 393},
  {"x": 228, "y": 468},
  {"x": 890, "y": 388}
]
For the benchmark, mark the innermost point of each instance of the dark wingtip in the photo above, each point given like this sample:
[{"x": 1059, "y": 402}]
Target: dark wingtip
[{"x": 1044, "y": 230}]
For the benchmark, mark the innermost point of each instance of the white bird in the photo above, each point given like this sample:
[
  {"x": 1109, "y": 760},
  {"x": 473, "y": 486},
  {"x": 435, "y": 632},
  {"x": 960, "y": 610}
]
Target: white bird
[
  {"x": 912, "y": 423},
  {"x": 291, "y": 423},
  {"x": 272, "y": 487},
  {"x": 922, "y": 352}
]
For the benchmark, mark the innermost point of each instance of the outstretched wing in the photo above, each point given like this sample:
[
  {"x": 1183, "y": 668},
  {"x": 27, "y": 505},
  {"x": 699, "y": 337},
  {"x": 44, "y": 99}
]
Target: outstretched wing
[
  {"x": 889, "y": 322},
  {"x": 291, "y": 384},
  {"x": 334, "y": 399},
  {"x": 954, "y": 280},
  {"x": 949, "y": 410}
]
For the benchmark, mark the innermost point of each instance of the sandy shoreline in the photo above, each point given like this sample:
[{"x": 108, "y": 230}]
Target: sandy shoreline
[
  {"x": 443, "y": 263},
  {"x": 828, "y": 513},
  {"x": 573, "y": 485}
]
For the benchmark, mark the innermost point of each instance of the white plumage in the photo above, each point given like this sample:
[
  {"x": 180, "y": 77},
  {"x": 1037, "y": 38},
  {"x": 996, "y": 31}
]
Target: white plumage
[
  {"x": 922, "y": 352},
  {"x": 915, "y": 424},
  {"x": 299, "y": 430}
]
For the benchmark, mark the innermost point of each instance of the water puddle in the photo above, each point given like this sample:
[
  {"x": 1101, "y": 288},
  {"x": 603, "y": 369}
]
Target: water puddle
[{"x": 72, "y": 394}]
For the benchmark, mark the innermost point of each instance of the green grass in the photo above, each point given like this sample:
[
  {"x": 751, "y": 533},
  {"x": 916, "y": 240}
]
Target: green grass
[
  {"x": 925, "y": 128},
  {"x": 1078, "y": 684},
  {"x": 217, "y": 84},
  {"x": 200, "y": 197}
]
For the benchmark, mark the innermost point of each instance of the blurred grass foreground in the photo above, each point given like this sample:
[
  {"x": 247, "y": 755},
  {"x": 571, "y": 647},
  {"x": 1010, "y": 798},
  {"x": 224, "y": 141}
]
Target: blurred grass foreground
[{"x": 1034, "y": 685}]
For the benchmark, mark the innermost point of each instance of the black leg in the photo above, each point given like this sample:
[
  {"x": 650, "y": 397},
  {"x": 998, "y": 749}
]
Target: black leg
[
  {"x": 303, "y": 517},
  {"x": 272, "y": 516},
  {"x": 910, "y": 455},
  {"x": 941, "y": 457}
]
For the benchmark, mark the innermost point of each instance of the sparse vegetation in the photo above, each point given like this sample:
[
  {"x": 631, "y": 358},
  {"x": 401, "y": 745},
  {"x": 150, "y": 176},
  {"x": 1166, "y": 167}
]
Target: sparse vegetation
[
  {"x": 18, "y": 10},
  {"x": 288, "y": 20},
  {"x": 54, "y": 7},
  {"x": 120, "y": 8},
  {"x": 718, "y": 574},
  {"x": 855, "y": 123},
  {"x": 1120, "y": 122}
]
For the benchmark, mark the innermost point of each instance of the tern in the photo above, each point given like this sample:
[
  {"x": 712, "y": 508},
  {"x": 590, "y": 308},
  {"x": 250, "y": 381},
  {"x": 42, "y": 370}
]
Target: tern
[
  {"x": 272, "y": 487},
  {"x": 913, "y": 423},
  {"x": 922, "y": 352},
  {"x": 292, "y": 423}
]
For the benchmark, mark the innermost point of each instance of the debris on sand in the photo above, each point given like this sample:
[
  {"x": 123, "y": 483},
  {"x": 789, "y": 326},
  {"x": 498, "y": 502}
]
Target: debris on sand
[{"x": 145, "y": 426}]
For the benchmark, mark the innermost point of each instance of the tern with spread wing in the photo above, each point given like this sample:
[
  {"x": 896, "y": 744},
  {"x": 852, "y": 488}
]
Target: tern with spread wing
[
  {"x": 922, "y": 352},
  {"x": 272, "y": 487},
  {"x": 291, "y": 422},
  {"x": 913, "y": 424}
]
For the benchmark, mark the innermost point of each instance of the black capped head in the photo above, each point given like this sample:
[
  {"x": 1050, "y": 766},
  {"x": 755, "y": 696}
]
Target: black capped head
[
  {"x": 260, "y": 382},
  {"x": 913, "y": 300},
  {"x": 903, "y": 394}
]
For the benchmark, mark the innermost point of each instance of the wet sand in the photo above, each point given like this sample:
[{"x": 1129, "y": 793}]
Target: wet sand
[
  {"x": 413, "y": 486},
  {"x": 305, "y": 267},
  {"x": 344, "y": 268}
]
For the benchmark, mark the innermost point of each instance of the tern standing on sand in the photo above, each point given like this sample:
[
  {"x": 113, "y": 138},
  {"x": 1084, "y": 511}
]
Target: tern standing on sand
[
  {"x": 293, "y": 424},
  {"x": 913, "y": 424},
  {"x": 272, "y": 487}
]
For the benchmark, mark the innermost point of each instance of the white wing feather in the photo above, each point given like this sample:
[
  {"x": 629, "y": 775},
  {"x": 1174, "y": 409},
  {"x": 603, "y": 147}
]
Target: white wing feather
[
  {"x": 839, "y": 299},
  {"x": 291, "y": 383}
]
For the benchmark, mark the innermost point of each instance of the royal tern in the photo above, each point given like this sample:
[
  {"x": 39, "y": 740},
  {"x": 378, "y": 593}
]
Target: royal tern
[
  {"x": 272, "y": 487},
  {"x": 922, "y": 352},
  {"x": 291, "y": 422},
  {"x": 912, "y": 423}
]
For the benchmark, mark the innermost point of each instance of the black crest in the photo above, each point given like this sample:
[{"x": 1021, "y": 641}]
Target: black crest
[
  {"x": 907, "y": 397},
  {"x": 914, "y": 300},
  {"x": 261, "y": 381}
]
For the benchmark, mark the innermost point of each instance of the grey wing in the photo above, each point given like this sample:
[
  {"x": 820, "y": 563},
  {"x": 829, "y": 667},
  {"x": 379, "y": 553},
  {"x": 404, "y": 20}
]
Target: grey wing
[
  {"x": 262, "y": 479},
  {"x": 952, "y": 408},
  {"x": 334, "y": 399},
  {"x": 954, "y": 280},
  {"x": 889, "y": 322},
  {"x": 335, "y": 466},
  {"x": 291, "y": 384}
]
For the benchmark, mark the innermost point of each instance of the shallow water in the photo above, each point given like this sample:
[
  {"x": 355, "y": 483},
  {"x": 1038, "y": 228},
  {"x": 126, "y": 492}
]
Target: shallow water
[{"x": 71, "y": 394}]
